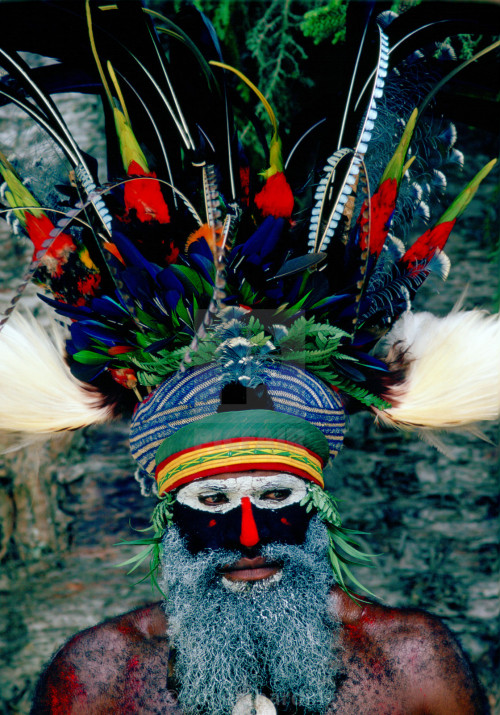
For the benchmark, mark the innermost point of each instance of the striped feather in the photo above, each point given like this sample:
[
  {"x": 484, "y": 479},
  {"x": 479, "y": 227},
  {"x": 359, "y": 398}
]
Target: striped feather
[{"x": 357, "y": 157}]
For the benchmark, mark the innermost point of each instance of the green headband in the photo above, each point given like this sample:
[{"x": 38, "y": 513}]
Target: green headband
[{"x": 242, "y": 440}]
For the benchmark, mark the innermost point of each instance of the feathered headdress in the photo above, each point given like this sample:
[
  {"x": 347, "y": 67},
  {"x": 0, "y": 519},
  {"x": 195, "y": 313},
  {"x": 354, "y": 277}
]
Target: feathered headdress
[{"x": 199, "y": 277}]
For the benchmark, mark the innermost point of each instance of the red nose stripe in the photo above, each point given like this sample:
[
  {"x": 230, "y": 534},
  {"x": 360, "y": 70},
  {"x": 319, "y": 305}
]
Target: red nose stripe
[{"x": 249, "y": 534}]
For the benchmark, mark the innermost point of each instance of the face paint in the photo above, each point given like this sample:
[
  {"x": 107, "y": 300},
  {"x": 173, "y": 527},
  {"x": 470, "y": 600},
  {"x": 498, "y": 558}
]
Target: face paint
[
  {"x": 221, "y": 495},
  {"x": 242, "y": 513}
]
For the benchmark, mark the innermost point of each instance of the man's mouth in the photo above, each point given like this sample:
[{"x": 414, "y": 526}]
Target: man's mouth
[{"x": 255, "y": 569}]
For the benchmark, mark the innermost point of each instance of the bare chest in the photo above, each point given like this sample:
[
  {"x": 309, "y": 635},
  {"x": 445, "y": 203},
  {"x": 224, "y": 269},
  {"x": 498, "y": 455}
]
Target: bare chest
[{"x": 366, "y": 685}]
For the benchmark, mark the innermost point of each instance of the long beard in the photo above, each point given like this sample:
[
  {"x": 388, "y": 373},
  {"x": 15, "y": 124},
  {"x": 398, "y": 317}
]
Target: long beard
[{"x": 278, "y": 637}]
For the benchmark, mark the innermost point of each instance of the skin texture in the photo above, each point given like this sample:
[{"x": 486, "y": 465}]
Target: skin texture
[{"x": 396, "y": 662}]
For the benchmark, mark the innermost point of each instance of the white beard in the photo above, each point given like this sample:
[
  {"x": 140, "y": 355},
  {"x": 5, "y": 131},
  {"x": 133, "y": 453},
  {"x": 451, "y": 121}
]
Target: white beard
[{"x": 278, "y": 637}]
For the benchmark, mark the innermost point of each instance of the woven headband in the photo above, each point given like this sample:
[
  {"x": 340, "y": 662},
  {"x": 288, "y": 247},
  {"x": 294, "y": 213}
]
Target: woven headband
[{"x": 241, "y": 441}]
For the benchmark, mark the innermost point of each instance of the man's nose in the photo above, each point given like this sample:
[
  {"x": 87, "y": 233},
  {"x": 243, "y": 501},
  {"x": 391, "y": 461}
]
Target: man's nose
[{"x": 249, "y": 535}]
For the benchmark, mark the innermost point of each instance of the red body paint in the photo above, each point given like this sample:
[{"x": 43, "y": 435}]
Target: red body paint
[
  {"x": 128, "y": 704},
  {"x": 249, "y": 535},
  {"x": 67, "y": 692},
  {"x": 126, "y": 628},
  {"x": 355, "y": 632}
]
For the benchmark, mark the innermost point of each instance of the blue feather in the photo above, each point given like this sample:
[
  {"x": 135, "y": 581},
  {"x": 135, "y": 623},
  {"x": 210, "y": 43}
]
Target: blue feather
[{"x": 132, "y": 256}]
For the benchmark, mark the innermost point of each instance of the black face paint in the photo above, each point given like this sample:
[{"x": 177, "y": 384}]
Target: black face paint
[{"x": 205, "y": 530}]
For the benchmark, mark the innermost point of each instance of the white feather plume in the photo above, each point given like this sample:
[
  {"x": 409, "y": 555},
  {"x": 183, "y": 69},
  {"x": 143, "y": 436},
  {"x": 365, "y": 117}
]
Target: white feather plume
[
  {"x": 451, "y": 371},
  {"x": 38, "y": 393}
]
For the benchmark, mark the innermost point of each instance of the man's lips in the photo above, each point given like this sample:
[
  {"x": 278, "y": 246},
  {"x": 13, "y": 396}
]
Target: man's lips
[{"x": 247, "y": 569}]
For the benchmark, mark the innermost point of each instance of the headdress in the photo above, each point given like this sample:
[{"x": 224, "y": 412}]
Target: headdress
[{"x": 245, "y": 312}]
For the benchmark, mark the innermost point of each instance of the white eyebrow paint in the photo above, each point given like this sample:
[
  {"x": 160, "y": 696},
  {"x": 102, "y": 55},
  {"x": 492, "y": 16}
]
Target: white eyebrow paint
[{"x": 245, "y": 485}]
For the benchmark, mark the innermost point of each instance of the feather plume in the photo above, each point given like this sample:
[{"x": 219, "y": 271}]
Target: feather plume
[
  {"x": 451, "y": 370},
  {"x": 39, "y": 393}
]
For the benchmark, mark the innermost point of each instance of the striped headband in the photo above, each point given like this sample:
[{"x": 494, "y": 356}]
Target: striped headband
[
  {"x": 242, "y": 440},
  {"x": 189, "y": 401}
]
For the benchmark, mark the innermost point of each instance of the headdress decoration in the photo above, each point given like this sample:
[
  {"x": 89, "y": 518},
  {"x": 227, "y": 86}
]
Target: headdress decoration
[{"x": 194, "y": 285}]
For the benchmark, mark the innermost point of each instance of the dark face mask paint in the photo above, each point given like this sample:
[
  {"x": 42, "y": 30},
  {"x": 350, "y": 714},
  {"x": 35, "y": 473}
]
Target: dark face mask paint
[{"x": 245, "y": 528}]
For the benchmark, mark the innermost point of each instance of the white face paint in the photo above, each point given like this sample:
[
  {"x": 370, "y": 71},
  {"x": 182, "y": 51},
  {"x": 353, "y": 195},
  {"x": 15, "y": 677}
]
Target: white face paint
[{"x": 219, "y": 496}]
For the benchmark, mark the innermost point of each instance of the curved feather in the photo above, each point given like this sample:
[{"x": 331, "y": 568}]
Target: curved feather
[
  {"x": 345, "y": 190},
  {"x": 39, "y": 393},
  {"x": 443, "y": 385}
]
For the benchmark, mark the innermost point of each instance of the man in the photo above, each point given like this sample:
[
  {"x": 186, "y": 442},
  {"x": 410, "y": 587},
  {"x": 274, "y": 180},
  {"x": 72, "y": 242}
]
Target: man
[
  {"x": 322, "y": 649},
  {"x": 253, "y": 620},
  {"x": 245, "y": 313}
]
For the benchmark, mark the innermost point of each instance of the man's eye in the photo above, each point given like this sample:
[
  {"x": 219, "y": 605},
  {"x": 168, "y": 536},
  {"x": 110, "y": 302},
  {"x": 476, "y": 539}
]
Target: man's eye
[
  {"x": 276, "y": 494},
  {"x": 213, "y": 499}
]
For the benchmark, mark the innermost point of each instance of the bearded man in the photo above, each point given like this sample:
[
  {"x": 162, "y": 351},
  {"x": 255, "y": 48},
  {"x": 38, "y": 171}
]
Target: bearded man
[
  {"x": 254, "y": 621},
  {"x": 242, "y": 303}
]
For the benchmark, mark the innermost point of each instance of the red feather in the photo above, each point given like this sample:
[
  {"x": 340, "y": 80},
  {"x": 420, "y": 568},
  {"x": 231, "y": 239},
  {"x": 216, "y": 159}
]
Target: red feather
[
  {"x": 425, "y": 247},
  {"x": 383, "y": 203},
  {"x": 276, "y": 197},
  {"x": 145, "y": 197},
  {"x": 39, "y": 229}
]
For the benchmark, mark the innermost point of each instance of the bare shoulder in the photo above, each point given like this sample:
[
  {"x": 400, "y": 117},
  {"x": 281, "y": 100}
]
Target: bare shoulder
[
  {"x": 413, "y": 652},
  {"x": 96, "y": 665},
  {"x": 116, "y": 636}
]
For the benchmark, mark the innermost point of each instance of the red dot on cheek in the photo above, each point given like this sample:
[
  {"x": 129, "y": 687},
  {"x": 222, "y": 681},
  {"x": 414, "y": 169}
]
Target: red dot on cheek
[
  {"x": 285, "y": 521},
  {"x": 212, "y": 522}
]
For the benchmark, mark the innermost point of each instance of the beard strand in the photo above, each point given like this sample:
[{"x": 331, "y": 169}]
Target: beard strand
[{"x": 278, "y": 637}]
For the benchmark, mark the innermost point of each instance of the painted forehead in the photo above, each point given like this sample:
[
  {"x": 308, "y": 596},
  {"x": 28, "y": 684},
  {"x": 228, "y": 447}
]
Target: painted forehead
[{"x": 258, "y": 488}]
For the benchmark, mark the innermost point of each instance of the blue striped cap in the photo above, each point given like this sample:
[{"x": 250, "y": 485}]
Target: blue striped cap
[{"x": 190, "y": 396}]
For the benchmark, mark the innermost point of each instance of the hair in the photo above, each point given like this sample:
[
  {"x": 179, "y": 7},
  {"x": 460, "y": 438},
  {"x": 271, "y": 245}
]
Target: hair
[{"x": 275, "y": 635}]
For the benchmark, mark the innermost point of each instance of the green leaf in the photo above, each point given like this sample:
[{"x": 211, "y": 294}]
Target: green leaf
[
  {"x": 343, "y": 550},
  {"x": 351, "y": 550},
  {"x": 355, "y": 581},
  {"x": 87, "y": 357}
]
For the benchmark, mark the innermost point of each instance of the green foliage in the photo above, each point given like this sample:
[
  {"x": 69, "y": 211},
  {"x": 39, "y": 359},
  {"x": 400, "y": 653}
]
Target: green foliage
[
  {"x": 343, "y": 551},
  {"x": 154, "y": 370},
  {"x": 264, "y": 39},
  {"x": 317, "y": 347},
  {"x": 272, "y": 42},
  {"x": 400, "y": 6},
  {"x": 161, "y": 519},
  {"x": 326, "y": 22},
  {"x": 220, "y": 12},
  {"x": 306, "y": 333},
  {"x": 468, "y": 46}
]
